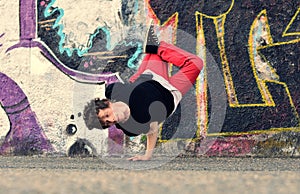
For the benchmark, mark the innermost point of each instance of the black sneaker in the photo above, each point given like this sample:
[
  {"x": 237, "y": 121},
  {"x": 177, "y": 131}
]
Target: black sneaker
[{"x": 151, "y": 42}]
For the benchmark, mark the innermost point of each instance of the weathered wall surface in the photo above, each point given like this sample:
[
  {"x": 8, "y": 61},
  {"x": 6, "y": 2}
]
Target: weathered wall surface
[{"x": 56, "y": 56}]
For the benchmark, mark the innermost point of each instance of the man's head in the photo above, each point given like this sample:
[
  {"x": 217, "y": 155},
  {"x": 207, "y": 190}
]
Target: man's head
[
  {"x": 91, "y": 111},
  {"x": 105, "y": 113}
]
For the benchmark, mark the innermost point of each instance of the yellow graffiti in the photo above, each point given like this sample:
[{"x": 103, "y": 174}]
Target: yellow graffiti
[
  {"x": 285, "y": 33},
  {"x": 219, "y": 22},
  {"x": 257, "y": 60},
  {"x": 201, "y": 85},
  {"x": 256, "y": 132},
  {"x": 253, "y": 45},
  {"x": 219, "y": 25},
  {"x": 47, "y": 24}
]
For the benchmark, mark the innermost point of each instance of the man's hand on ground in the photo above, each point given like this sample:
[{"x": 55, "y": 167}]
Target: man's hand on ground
[
  {"x": 151, "y": 142},
  {"x": 140, "y": 158}
]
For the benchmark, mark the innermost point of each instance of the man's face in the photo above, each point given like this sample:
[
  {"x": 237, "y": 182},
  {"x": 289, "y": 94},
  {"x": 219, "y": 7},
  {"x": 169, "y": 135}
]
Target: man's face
[
  {"x": 117, "y": 112},
  {"x": 107, "y": 117}
]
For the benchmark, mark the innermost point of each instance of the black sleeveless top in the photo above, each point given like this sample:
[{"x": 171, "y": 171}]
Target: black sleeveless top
[{"x": 148, "y": 101}]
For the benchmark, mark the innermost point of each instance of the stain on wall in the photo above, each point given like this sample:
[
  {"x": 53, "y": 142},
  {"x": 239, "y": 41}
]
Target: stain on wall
[{"x": 70, "y": 49}]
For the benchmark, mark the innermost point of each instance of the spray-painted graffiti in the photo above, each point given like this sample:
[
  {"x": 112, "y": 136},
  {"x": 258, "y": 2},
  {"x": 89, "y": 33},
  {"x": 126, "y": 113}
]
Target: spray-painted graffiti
[
  {"x": 1, "y": 35},
  {"x": 237, "y": 33},
  {"x": 91, "y": 42},
  {"x": 25, "y": 135},
  {"x": 28, "y": 39}
]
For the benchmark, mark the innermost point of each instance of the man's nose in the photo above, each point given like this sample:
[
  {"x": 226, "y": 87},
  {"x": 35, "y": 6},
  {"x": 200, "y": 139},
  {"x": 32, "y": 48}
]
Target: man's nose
[{"x": 111, "y": 119}]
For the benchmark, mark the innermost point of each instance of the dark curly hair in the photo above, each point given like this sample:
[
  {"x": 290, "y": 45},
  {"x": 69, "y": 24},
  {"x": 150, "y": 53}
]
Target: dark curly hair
[{"x": 90, "y": 113}]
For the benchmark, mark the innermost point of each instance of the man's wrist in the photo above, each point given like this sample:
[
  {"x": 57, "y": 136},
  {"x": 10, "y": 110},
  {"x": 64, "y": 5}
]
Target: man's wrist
[{"x": 149, "y": 152}]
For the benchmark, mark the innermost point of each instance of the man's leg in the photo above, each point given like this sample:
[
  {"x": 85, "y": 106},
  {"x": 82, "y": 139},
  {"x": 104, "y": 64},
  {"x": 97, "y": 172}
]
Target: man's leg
[
  {"x": 154, "y": 63},
  {"x": 189, "y": 66}
]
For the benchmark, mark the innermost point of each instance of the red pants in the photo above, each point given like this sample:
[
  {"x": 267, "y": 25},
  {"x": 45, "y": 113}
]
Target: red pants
[{"x": 189, "y": 66}]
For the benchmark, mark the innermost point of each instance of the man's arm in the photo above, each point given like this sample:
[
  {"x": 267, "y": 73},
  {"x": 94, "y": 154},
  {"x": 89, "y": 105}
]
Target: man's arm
[{"x": 151, "y": 142}]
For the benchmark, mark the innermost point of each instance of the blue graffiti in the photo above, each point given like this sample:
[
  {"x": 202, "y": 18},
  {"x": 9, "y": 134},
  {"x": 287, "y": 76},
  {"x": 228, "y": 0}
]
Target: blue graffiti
[{"x": 49, "y": 11}]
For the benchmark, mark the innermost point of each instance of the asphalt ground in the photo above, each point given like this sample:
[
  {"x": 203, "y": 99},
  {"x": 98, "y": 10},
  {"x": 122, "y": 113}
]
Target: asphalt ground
[{"x": 44, "y": 174}]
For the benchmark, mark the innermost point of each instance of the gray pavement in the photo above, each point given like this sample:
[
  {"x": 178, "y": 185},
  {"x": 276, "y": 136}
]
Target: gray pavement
[{"x": 37, "y": 174}]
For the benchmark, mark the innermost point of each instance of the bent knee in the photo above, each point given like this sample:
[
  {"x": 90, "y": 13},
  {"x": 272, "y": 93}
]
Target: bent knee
[{"x": 196, "y": 62}]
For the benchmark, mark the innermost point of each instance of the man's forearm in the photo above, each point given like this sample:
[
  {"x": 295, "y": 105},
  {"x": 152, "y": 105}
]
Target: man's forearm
[
  {"x": 152, "y": 138},
  {"x": 151, "y": 142}
]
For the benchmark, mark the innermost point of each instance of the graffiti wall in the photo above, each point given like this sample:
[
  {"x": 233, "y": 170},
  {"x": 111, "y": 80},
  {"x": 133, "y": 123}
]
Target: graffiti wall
[{"x": 58, "y": 55}]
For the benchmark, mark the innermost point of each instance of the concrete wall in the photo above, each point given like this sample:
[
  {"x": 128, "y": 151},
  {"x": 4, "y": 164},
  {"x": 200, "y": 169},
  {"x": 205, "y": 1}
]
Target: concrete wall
[{"x": 56, "y": 55}]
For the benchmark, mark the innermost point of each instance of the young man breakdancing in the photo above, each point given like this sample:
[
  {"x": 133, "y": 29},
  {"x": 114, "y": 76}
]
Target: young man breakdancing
[{"x": 151, "y": 96}]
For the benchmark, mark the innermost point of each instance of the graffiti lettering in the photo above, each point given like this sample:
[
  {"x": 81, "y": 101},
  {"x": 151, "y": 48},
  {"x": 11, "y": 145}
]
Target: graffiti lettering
[
  {"x": 256, "y": 45},
  {"x": 236, "y": 35}
]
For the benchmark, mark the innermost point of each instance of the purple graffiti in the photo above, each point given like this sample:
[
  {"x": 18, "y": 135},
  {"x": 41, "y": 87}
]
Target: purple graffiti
[
  {"x": 25, "y": 135},
  {"x": 1, "y": 35},
  {"x": 24, "y": 127},
  {"x": 27, "y": 19},
  {"x": 115, "y": 146}
]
